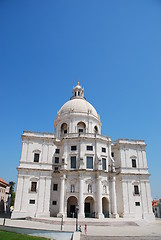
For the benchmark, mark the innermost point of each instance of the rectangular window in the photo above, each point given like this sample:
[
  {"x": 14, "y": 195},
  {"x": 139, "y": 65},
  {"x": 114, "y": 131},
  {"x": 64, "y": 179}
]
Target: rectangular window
[
  {"x": 103, "y": 163},
  {"x": 56, "y": 169},
  {"x": 73, "y": 148},
  {"x": 89, "y": 162},
  {"x": 80, "y": 130},
  {"x": 55, "y": 187},
  {"x": 104, "y": 150},
  {"x": 136, "y": 189},
  {"x": 65, "y": 131},
  {"x": 36, "y": 157},
  {"x": 56, "y": 160},
  {"x": 73, "y": 162},
  {"x": 54, "y": 202},
  {"x": 32, "y": 201},
  {"x": 90, "y": 148},
  {"x": 57, "y": 151},
  {"x": 112, "y": 154},
  {"x": 134, "y": 163},
  {"x": 137, "y": 203},
  {"x": 33, "y": 186}
]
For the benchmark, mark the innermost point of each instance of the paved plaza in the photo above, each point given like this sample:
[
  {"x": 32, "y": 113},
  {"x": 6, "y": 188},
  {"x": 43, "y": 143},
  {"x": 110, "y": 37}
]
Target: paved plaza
[
  {"x": 115, "y": 229},
  {"x": 120, "y": 238}
]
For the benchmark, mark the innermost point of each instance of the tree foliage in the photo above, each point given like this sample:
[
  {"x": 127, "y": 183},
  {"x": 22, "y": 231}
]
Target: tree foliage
[{"x": 12, "y": 186}]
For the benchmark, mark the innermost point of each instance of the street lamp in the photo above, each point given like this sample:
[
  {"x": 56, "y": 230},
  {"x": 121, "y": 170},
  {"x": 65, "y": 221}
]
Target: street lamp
[
  {"x": 61, "y": 222},
  {"x": 77, "y": 209}
]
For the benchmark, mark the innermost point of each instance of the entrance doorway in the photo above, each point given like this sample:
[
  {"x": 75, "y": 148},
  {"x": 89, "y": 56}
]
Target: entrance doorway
[
  {"x": 105, "y": 207},
  {"x": 72, "y": 202},
  {"x": 89, "y": 207}
]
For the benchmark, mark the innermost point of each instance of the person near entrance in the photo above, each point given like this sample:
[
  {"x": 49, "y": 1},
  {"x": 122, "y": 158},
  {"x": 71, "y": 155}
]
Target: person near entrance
[{"x": 85, "y": 229}]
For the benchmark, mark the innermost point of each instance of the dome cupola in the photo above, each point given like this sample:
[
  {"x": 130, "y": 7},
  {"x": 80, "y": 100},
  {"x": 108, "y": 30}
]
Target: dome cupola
[
  {"x": 77, "y": 115},
  {"x": 78, "y": 92}
]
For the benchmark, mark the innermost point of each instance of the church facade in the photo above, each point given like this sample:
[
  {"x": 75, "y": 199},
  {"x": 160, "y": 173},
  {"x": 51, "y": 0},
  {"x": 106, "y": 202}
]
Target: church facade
[{"x": 79, "y": 171}]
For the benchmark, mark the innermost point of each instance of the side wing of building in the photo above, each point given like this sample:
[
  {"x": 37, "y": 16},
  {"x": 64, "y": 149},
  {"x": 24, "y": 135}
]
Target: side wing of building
[{"x": 132, "y": 185}]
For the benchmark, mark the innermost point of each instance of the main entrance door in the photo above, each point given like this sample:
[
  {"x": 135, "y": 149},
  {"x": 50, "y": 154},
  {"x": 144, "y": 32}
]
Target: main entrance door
[
  {"x": 71, "y": 206},
  {"x": 89, "y": 207},
  {"x": 72, "y": 210}
]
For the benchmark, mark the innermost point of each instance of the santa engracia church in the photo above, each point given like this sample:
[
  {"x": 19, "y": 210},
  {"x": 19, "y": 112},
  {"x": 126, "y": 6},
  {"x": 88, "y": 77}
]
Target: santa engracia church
[{"x": 77, "y": 171}]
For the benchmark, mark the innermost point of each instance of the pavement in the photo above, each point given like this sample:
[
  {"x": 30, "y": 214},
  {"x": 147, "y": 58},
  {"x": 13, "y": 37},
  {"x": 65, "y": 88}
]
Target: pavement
[{"x": 116, "y": 229}]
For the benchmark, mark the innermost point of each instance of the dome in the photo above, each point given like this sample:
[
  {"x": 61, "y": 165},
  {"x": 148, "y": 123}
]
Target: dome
[
  {"x": 78, "y": 105},
  {"x": 77, "y": 116}
]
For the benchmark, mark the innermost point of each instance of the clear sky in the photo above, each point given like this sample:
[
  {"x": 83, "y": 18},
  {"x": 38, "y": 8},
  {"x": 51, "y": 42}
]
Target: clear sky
[{"x": 112, "y": 47}]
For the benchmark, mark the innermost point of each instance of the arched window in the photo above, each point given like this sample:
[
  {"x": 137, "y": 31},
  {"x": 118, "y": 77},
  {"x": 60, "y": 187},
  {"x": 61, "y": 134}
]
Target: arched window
[
  {"x": 96, "y": 129},
  {"x": 81, "y": 126},
  {"x": 64, "y": 128}
]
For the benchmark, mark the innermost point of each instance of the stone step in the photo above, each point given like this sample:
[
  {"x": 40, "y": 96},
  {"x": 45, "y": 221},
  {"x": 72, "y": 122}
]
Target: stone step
[{"x": 86, "y": 221}]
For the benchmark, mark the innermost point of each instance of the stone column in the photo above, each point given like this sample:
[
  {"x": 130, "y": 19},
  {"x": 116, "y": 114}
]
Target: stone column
[
  {"x": 81, "y": 201},
  {"x": 43, "y": 197},
  {"x": 114, "y": 213},
  {"x": 99, "y": 199},
  {"x": 24, "y": 151},
  {"x": 62, "y": 193}
]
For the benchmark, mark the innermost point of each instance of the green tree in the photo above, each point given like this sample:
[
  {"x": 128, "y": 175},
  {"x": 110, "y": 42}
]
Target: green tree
[{"x": 12, "y": 186}]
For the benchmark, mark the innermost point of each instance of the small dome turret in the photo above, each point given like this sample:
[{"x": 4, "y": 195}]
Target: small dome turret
[{"x": 78, "y": 92}]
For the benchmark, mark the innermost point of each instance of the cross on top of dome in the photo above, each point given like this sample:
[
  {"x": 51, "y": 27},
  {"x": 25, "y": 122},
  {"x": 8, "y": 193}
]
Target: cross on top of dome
[{"x": 78, "y": 91}]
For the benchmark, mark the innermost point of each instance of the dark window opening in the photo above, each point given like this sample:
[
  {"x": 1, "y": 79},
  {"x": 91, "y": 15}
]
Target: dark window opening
[
  {"x": 56, "y": 160},
  {"x": 33, "y": 186},
  {"x": 64, "y": 128},
  {"x": 103, "y": 163},
  {"x": 78, "y": 93},
  {"x": 137, "y": 203},
  {"x": 32, "y": 201},
  {"x": 55, "y": 187},
  {"x": 90, "y": 148},
  {"x": 89, "y": 162},
  {"x": 95, "y": 129},
  {"x": 73, "y": 162},
  {"x": 134, "y": 163},
  {"x": 57, "y": 150},
  {"x": 73, "y": 148},
  {"x": 36, "y": 157},
  {"x": 136, "y": 189},
  {"x": 80, "y": 130},
  {"x": 103, "y": 149},
  {"x": 112, "y": 154},
  {"x": 54, "y": 202},
  {"x": 56, "y": 169}
]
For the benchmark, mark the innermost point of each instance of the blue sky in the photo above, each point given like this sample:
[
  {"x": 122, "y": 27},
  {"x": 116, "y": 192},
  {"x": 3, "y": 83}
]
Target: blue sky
[{"x": 112, "y": 47}]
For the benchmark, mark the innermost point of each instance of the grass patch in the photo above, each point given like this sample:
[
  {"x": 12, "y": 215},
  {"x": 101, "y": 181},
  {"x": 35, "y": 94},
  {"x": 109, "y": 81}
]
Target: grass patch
[{"x": 4, "y": 235}]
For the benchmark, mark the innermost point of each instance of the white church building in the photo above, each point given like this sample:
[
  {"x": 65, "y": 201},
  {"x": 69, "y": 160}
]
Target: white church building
[{"x": 79, "y": 171}]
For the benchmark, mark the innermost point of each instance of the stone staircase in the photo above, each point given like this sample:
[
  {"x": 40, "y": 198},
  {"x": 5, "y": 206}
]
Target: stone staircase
[{"x": 89, "y": 222}]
